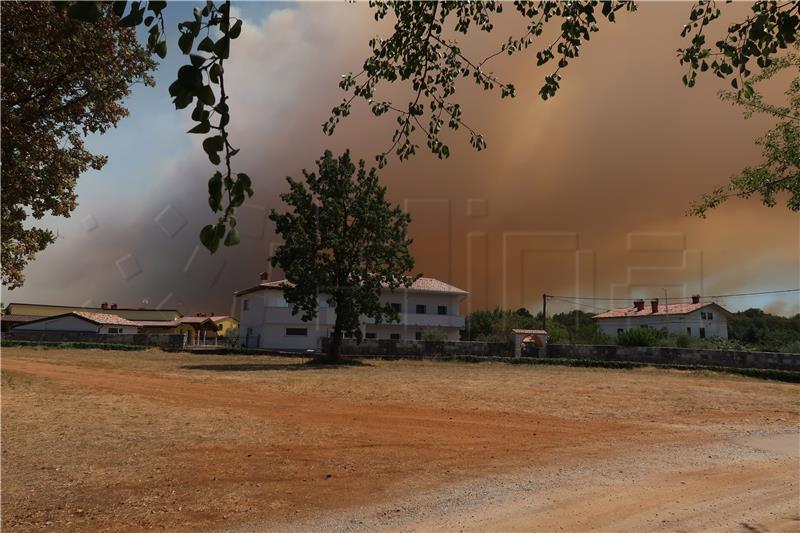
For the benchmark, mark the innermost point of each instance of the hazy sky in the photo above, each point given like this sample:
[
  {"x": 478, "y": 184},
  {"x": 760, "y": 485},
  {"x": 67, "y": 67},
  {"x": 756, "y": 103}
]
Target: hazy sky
[{"x": 584, "y": 194}]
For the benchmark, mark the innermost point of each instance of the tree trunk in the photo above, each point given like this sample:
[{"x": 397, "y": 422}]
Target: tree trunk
[{"x": 336, "y": 342}]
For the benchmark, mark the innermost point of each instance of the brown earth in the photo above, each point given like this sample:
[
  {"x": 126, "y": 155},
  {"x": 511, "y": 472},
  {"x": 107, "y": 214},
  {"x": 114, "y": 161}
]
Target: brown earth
[{"x": 98, "y": 440}]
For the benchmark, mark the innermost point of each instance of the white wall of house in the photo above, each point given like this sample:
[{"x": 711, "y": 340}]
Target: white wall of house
[
  {"x": 689, "y": 324},
  {"x": 266, "y": 320}
]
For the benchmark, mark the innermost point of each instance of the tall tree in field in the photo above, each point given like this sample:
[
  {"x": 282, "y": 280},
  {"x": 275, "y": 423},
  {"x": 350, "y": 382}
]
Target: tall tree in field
[
  {"x": 342, "y": 238},
  {"x": 61, "y": 80},
  {"x": 779, "y": 172}
]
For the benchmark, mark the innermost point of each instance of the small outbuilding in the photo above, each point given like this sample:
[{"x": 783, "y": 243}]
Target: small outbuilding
[{"x": 528, "y": 341}]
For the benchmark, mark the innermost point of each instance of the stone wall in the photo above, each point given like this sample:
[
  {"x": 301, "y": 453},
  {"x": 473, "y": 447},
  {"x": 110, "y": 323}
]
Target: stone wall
[
  {"x": 675, "y": 356},
  {"x": 160, "y": 340},
  {"x": 405, "y": 348}
]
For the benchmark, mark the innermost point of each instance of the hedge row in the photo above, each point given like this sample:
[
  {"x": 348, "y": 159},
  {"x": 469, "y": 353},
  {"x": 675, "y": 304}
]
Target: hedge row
[
  {"x": 789, "y": 376},
  {"x": 74, "y": 345}
]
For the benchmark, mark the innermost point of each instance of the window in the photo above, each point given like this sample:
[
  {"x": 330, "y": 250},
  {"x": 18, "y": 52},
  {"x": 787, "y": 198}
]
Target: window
[
  {"x": 689, "y": 331},
  {"x": 249, "y": 331},
  {"x": 297, "y": 332},
  {"x": 395, "y": 336},
  {"x": 418, "y": 335},
  {"x": 245, "y": 305},
  {"x": 115, "y": 330},
  {"x": 370, "y": 336},
  {"x": 619, "y": 331},
  {"x": 280, "y": 301},
  {"x": 395, "y": 307},
  {"x": 702, "y": 333},
  {"x": 703, "y": 315},
  {"x": 420, "y": 309},
  {"x": 645, "y": 326},
  {"x": 442, "y": 309},
  {"x": 710, "y": 316}
]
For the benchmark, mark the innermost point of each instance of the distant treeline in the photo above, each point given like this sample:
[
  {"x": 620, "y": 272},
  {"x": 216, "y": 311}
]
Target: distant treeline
[{"x": 749, "y": 330}]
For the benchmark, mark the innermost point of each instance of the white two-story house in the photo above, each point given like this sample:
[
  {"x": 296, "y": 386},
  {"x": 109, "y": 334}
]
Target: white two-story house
[
  {"x": 266, "y": 319},
  {"x": 695, "y": 319}
]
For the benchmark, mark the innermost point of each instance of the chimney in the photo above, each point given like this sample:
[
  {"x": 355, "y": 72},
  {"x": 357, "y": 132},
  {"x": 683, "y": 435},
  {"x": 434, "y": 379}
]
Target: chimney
[
  {"x": 113, "y": 306},
  {"x": 695, "y": 298},
  {"x": 639, "y": 305},
  {"x": 104, "y": 305},
  {"x": 654, "y": 305},
  {"x": 264, "y": 276}
]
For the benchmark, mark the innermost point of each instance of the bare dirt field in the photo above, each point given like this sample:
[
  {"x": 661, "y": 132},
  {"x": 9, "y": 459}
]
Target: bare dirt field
[{"x": 124, "y": 441}]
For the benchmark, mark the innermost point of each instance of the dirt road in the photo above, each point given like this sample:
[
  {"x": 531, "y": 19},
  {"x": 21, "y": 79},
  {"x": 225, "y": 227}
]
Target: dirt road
[{"x": 128, "y": 441}]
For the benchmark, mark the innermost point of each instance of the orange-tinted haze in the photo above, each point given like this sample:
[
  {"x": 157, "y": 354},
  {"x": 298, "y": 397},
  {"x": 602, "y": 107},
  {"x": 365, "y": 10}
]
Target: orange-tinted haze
[{"x": 584, "y": 194}]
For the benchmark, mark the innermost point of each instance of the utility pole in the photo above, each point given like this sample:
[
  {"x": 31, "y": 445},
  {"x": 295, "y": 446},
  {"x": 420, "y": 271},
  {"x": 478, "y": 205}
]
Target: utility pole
[{"x": 544, "y": 311}]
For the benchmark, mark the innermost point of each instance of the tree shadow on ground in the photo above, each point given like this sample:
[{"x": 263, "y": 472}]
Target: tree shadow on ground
[{"x": 263, "y": 367}]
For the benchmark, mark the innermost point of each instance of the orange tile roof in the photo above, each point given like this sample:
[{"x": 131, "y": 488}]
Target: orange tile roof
[
  {"x": 103, "y": 318},
  {"x": 663, "y": 310},
  {"x": 432, "y": 284}
]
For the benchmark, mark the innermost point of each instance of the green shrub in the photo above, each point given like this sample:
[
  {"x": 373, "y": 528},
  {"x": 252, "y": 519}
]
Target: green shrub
[
  {"x": 434, "y": 335},
  {"x": 683, "y": 341},
  {"x": 641, "y": 337},
  {"x": 75, "y": 345},
  {"x": 792, "y": 347}
]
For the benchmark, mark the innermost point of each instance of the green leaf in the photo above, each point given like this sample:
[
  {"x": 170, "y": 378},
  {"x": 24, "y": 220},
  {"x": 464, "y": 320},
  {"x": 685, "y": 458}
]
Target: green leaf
[
  {"x": 209, "y": 238},
  {"x": 85, "y": 11},
  {"x": 206, "y": 95},
  {"x": 156, "y": 6},
  {"x": 203, "y": 127},
  {"x": 118, "y": 7},
  {"x": 206, "y": 45},
  {"x": 190, "y": 77},
  {"x": 222, "y": 47},
  {"x": 215, "y": 191},
  {"x": 134, "y": 18},
  {"x": 197, "y": 60},
  {"x": 232, "y": 239},
  {"x": 211, "y": 146},
  {"x": 235, "y": 30},
  {"x": 198, "y": 114},
  {"x": 247, "y": 184},
  {"x": 185, "y": 42},
  {"x": 161, "y": 49}
]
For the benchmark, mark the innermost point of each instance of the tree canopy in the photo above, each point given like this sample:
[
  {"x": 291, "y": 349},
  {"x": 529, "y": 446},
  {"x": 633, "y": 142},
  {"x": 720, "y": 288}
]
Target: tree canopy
[
  {"x": 779, "y": 172},
  {"x": 62, "y": 80},
  {"x": 343, "y": 239}
]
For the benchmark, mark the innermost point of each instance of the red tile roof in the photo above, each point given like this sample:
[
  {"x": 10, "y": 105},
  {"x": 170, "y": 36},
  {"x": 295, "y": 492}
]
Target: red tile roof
[
  {"x": 102, "y": 318},
  {"x": 421, "y": 284},
  {"x": 434, "y": 285},
  {"x": 663, "y": 310}
]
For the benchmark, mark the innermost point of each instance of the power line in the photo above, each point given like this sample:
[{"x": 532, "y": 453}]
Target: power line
[{"x": 672, "y": 298}]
